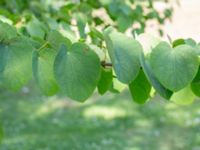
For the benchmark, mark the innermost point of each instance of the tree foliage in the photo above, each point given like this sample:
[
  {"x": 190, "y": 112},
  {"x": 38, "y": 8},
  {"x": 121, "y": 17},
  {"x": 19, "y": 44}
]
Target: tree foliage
[{"x": 68, "y": 48}]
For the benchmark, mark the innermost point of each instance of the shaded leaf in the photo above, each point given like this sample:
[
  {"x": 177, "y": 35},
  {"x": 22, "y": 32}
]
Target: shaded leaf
[
  {"x": 140, "y": 88},
  {"x": 43, "y": 70},
  {"x": 105, "y": 81}
]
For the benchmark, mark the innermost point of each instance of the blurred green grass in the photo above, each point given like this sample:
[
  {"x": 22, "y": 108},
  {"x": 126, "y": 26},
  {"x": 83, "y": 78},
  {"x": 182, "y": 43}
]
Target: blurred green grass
[{"x": 110, "y": 122}]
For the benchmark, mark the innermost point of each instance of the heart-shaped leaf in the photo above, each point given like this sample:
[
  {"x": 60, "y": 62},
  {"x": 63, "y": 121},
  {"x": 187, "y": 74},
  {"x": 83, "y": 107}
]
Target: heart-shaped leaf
[
  {"x": 77, "y": 71},
  {"x": 149, "y": 42},
  {"x": 175, "y": 67},
  {"x": 124, "y": 53}
]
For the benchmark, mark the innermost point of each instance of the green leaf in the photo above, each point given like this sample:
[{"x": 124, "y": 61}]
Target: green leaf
[
  {"x": 149, "y": 42},
  {"x": 77, "y": 70},
  {"x": 195, "y": 85},
  {"x": 178, "y": 42},
  {"x": 68, "y": 32},
  {"x": 124, "y": 22},
  {"x": 140, "y": 88},
  {"x": 189, "y": 41},
  {"x": 174, "y": 68},
  {"x": 15, "y": 63},
  {"x": 95, "y": 33},
  {"x": 81, "y": 23},
  {"x": 36, "y": 29},
  {"x": 105, "y": 81},
  {"x": 55, "y": 39},
  {"x": 98, "y": 51},
  {"x": 43, "y": 70},
  {"x": 162, "y": 91},
  {"x": 7, "y": 32},
  {"x": 183, "y": 97},
  {"x": 52, "y": 23},
  {"x": 124, "y": 53}
]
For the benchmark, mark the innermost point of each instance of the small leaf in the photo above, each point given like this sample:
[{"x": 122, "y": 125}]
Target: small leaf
[
  {"x": 189, "y": 41},
  {"x": 95, "y": 33},
  {"x": 77, "y": 71},
  {"x": 183, "y": 97},
  {"x": 105, "y": 81},
  {"x": 178, "y": 42},
  {"x": 124, "y": 22},
  {"x": 124, "y": 53},
  {"x": 68, "y": 32},
  {"x": 140, "y": 88},
  {"x": 55, "y": 39},
  {"x": 36, "y": 29},
  {"x": 43, "y": 70},
  {"x": 174, "y": 68},
  {"x": 81, "y": 23}
]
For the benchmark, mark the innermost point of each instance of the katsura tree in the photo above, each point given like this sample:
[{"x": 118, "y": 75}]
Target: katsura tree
[{"x": 69, "y": 49}]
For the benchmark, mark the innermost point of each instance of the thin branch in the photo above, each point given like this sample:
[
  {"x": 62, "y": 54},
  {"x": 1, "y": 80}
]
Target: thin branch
[{"x": 105, "y": 64}]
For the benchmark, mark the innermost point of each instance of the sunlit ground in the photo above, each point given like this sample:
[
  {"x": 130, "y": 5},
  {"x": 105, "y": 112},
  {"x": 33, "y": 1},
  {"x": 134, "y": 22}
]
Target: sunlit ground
[{"x": 110, "y": 122}]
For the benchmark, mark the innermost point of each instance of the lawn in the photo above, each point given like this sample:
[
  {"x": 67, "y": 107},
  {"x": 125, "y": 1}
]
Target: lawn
[{"x": 110, "y": 122}]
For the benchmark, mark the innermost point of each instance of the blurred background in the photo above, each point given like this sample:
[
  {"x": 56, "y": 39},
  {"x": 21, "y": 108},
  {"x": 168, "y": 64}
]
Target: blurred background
[{"x": 31, "y": 121}]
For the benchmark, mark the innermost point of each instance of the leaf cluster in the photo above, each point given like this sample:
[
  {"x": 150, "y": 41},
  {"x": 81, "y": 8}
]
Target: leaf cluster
[{"x": 60, "y": 46}]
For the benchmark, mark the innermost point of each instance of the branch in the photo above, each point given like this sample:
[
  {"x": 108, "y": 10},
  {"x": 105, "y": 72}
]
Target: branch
[{"x": 105, "y": 64}]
